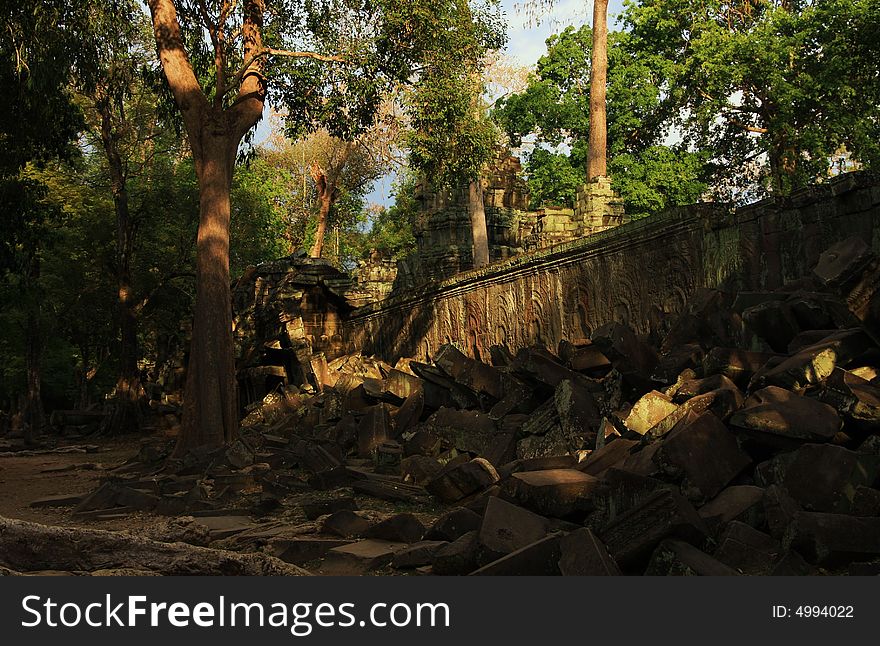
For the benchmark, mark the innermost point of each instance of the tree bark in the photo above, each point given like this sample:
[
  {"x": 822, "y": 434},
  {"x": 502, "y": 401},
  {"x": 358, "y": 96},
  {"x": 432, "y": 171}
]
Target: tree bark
[
  {"x": 597, "y": 165},
  {"x": 30, "y": 547},
  {"x": 327, "y": 194},
  {"x": 210, "y": 412},
  {"x": 126, "y": 414},
  {"x": 477, "y": 213}
]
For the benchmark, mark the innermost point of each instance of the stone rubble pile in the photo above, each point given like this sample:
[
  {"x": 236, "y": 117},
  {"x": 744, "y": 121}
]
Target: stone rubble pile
[{"x": 745, "y": 441}]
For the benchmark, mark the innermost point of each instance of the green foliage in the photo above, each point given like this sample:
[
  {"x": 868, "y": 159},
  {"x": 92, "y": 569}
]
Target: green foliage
[
  {"x": 772, "y": 88},
  {"x": 554, "y": 112},
  {"x": 450, "y": 139},
  {"x": 391, "y": 228}
]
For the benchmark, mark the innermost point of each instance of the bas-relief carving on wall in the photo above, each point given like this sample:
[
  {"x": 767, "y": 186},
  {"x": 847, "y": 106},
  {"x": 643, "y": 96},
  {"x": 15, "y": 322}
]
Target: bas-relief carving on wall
[{"x": 640, "y": 273}]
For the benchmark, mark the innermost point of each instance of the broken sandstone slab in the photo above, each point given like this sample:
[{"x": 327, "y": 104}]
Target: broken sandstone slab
[
  {"x": 779, "y": 412},
  {"x": 633, "y": 535},
  {"x": 649, "y": 411},
  {"x": 507, "y": 528},
  {"x": 583, "y": 554},
  {"x": 706, "y": 453},
  {"x": 552, "y": 492},
  {"x": 458, "y": 482}
]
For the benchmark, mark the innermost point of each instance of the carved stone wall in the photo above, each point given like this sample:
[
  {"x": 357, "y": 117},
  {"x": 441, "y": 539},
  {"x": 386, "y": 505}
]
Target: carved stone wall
[{"x": 641, "y": 273}]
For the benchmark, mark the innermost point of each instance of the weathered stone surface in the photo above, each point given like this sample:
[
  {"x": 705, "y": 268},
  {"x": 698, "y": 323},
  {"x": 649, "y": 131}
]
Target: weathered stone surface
[
  {"x": 303, "y": 549},
  {"x": 507, "y": 528},
  {"x": 822, "y": 477},
  {"x": 779, "y": 509},
  {"x": 390, "y": 490},
  {"x": 538, "y": 464},
  {"x": 454, "y": 524},
  {"x": 739, "y": 502},
  {"x": 748, "y": 550},
  {"x": 476, "y": 375},
  {"x": 583, "y": 554},
  {"x": 608, "y": 456},
  {"x": 827, "y": 538},
  {"x": 629, "y": 356},
  {"x": 706, "y": 453},
  {"x": 773, "y": 322},
  {"x": 540, "y": 558},
  {"x": 345, "y": 523},
  {"x": 579, "y": 415},
  {"x": 466, "y": 430},
  {"x": 812, "y": 365},
  {"x": 649, "y": 411},
  {"x": 775, "y": 411},
  {"x": 632, "y": 536},
  {"x": 417, "y": 555},
  {"x": 400, "y": 528},
  {"x": 552, "y": 492},
  {"x": 359, "y": 557},
  {"x": 374, "y": 428},
  {"x": 419, "y": 469},
  {"x": 458, "y": 557},
  {"x": 462, "y": 480},
  {"x": 677, "y": 558},
  {"x": 737, "y": 365}
]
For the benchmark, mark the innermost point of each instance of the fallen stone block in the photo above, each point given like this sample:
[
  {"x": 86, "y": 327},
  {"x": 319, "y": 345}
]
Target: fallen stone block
[
  {"x": 400, "y": 528},
  {"x": 345, "y": 523},
  {"x": 583, "y": 554},
  {"x": 779, "y": 509},
  {"x": 390, "y": 490},
  {"x": 466, "y": 430},
  {"x": 632, "y": 536},
  {"x": 578, "y": 413},
  {"x": 553, "y": 492},
  {"x": 454, "y": 524},
  {"x": 739, "y": 502},
  {"x": 827, "y": 539},
  {"x": 677, "y": 558},
  {"x": 462, "y": 480},
  {"x": 634, "y": 360},
  {"x": 611, "y": 454},
  {"x": 822, "y": 477},
  {"x": 706, "y": 453},
  {"x": 362, "y": 556},
  {"x": 375, "y": 428},
  {"x": 537, "y": 464},
  {"x": 540, "y": 558},
  {"x": 748, "y": 550},
  {"x": 812, "y": 365},
  {"x": 649, "y": 411},
  {"x": 778, "y": 412},
  {"x": 419, "y": 469},
  {"x": 417, "y": 555},
  {"x": 773, "y": 322},
  {"x": 738, "y": 365},
  {"x": 458, "y": 557},
  {"x": 303, "y": 549},
  {"x": 507, "y": 528}
]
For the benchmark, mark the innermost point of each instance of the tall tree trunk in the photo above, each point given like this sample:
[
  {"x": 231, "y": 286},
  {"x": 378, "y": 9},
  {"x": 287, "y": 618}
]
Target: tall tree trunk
[
  {"x": 321, "y": 231},
  {"x": 33, "y": 415},
  {"x": 126, "y": 414},
  {"x": 597, "y": 165},
  {"x": 477, "y": 213},
  {"x": 210, "y": 413}
]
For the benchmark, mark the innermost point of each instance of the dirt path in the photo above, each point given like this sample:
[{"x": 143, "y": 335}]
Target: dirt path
[{"x": 26, "y": 478}]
